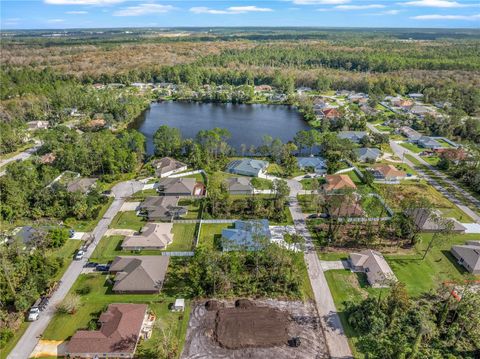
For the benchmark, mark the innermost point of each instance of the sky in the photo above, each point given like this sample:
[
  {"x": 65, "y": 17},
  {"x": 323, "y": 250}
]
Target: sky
[{"x": 65, "y": 14}]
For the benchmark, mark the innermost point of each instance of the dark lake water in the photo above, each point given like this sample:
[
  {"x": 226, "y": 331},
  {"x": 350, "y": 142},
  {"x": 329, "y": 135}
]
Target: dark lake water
[{"x": 247, "y": 123}]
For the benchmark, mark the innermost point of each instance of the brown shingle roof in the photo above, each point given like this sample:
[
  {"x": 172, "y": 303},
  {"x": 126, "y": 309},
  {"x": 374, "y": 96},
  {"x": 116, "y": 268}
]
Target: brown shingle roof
[
  {"x": 167, "y": 164},
  {"x": 119, "y": 332},
  {"x": 339, "y": 182},
  {"x": 389, "y": 171}
]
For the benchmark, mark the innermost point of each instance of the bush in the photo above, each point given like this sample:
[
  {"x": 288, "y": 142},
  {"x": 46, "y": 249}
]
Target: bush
[
  {"x": 84, "y": 290},
  {"x": 5, "y": 335},
  {"x": 70, "y": 304}
]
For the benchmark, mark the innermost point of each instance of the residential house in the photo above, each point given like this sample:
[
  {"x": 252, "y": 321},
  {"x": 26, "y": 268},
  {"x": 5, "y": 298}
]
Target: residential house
[
  {"x": 421, "y": 111},
  {"x": 180, "y": 187},
  {"x": 359, "y": 98},
  {"x": 415, "y": 96},
  {"x": 468, "y": 255},
  {"x": 317, "y": 164},
  {"x": 139, "y": 274},
  {"x": 387, "y": 173},
  {"x": 25, "y": 235},
  {"x": 121, "y": 327},
  {"x": 354, "y": 136},
  {"x": 338, "y": 183},
  {"x": 239, "y": 185},
  {"x": 331, "y": 113},
  {"x": 428, "y": 142},
  {"x": 368, "y": 154},
  {"x": 373, "y": 264},
  {"x": 162, "y": 208},
  {"x": 403, "y": 103},
  {"x": 263, "y": 88},
  {"x": 154, "y": 236},
  {"x": 426, "y": 221},
  {"x": 37, "y": 125},
  {"x": 83, "y": 185},
  {"x": 168, "y": 166},
  {"x": 410, "y": 133},
  {"x": 245, "y": 235},
  {"x": 343, "y": 206},
  {"x": 247, "y": 167}
]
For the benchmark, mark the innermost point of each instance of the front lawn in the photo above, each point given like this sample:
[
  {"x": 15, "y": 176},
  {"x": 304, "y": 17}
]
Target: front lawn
[
  {"x": 66, "y": 253},
  {"x": 412, "y": 147},
  {"x": 439, "y": 265},
  {"x": 183, "y": 237},
  {"x": 128, "y": 220},
  {"x": 275, "y": 170},
  {"x": 261, "y": 183}
]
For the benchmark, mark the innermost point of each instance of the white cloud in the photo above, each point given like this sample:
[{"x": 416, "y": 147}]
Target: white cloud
[
  {"x": 320, "y": 2},
  {"x": 447, "y": 17},
  {"x": 12, "y": 21},
  {"x": 359, "y": 7},
  {"x": 389, "y": 12},
  {"x": 229, "y": 11},
  {"x": 82, "y": 2},
  {"x": 55, "y": 21},
  {"x": 76, "y": 12},
  {"x": 143, "y": 9},
  {"x": 434, "y": 3}
]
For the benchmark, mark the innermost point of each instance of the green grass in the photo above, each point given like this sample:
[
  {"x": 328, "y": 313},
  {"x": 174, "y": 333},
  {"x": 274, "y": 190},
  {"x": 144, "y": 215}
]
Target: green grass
[
  {"x": 193, "y": 208},
  {"x": 373, "y": 207},
  {"x": 444, "y": 143},
  {"x": 412, "y": 147},
  {"x": 199, "y": 177},
  {"x": 63, "y": 326},
  {"x": 414, "y": 160},
  {"x": 332, "y": 256},
  {"x": 141, "y": 195},
  {"x": 261, "y": 183},
  {"x": 439, "y": 265},
  {"x": 431, "y": 160},
  {"x": 128, "y": 220},
  {"x": 66, "y": 252},
  {"x": 307, "y": 182},
  {"x": 211, "y": 234},
  {"x": 183, "y": 237},
  {"x": 384, "y": 128},
  {"x": 275, "y": 170},
  {"x": 14, "y": 340},
  {"x": 88, "y": 225},
  {"x": 353, "y": 175},
  {"x": 347, "y": 286}
]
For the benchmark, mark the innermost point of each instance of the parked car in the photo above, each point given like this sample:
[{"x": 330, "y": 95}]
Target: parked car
[
  {"x": 90, "y": 265},
  {"x": 79, "y": 255},
  {"x": 71, "y": 233},
  {"x": 319, "y": 215},
  {"x": 34, "y": 311},
  {"x": 102, "y": 267}
]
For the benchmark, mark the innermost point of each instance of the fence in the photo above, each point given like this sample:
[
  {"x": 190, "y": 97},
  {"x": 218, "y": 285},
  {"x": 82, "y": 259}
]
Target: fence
[
  {"x": 204, "y": 220},
  {"x": 183, "y": 174},
  {"x": 178, "y": 254}
]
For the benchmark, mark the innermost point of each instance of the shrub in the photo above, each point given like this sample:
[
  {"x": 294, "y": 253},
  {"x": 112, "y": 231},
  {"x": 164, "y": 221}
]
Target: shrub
[{"x": 70, "y": 304}]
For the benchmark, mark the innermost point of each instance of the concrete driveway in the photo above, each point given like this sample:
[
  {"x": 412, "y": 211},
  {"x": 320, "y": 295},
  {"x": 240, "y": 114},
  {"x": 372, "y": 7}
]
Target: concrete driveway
[{"x": 30, "y": 338}]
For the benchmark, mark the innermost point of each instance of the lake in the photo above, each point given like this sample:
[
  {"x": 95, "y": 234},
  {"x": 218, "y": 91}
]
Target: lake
[{"x": 247, "y": 123}]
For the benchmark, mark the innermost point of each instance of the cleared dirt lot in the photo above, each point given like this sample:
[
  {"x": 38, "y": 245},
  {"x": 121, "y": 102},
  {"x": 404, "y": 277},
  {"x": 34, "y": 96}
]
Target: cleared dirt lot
[{"x": 257, "y": 329}]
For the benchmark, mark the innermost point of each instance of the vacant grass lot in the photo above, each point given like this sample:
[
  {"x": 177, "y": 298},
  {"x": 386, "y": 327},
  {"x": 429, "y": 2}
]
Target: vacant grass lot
[
  {"x": 193, "y": 207},
  {"x": 66, "y": 252},
  {"x": 410, "y": 189},
  {"x": 128, "y": 220},
  {"x": 261, "y": 183}
]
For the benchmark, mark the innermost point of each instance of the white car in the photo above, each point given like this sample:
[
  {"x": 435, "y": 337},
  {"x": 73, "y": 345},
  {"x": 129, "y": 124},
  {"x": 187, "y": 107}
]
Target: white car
[
  {"x": 79, "y": 255},
  {"x": 33, "y": 314}
]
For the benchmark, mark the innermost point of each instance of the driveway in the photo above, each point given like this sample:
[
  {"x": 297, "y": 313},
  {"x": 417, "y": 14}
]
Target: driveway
[
  {"x": 336, "y": 339},
  {"x": 29, "y": 340}
]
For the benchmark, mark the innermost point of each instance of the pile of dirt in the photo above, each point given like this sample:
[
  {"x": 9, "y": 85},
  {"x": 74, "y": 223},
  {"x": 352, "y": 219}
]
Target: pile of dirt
[
  {"x": 212, "y": 305},
  {"x": 251, "y": 327},
  {"x": 244, "y": 303}
]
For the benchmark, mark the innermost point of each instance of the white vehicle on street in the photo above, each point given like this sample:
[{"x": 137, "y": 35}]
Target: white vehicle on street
[{"x": 79, "y": 255}]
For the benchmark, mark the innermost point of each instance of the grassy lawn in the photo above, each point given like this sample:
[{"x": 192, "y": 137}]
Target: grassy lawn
[
  {"x": 444, "y": 143},
  {"x": 348, "y": 286},
  {"x": 305, "y": 201},
  {"x": 288, "y": 221},
  {"x": 141, "y": 195},
  {"x": 307, "y": 182},
  {"x": 128, "y": 220},
  {"x": 183, "y": 237},
  {"x": 110, "y": 247},
  {"x": 384, "y": 128},
  {"x": 66, "y": 252},
  {"x": 431, "y": 160},
  {"x": 199, "y": 177},
  {"x": 88, "y": 225},
  {"x": 261, "y": 183},
  {"x": 63, "y": 326},
  {"x": 353, "y": 175},
  {"x": 373, "y": 207},
  {"x": 412, "y": 147},
  {"x": 413, "y": 160},
  {"x": 211, "y": 234},
  {"x": 421, "y": 276},
  {"x": 421, "y": 189},
  {"x": 193, "y": 207}
]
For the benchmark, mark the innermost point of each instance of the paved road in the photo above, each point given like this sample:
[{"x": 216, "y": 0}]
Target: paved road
[
  {"x": 30, "y": 338},
  {"x": 334, "y": 334},
  {"x": 401, "y": 151},
  {"x": 20, "y": 157}
]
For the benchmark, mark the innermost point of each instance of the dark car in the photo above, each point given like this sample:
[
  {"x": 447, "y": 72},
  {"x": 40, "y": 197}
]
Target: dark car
[
  {"x": 91, "y": 265},
  {"x": 102, "y": 267},
  {"x": 320, "y": 215}
]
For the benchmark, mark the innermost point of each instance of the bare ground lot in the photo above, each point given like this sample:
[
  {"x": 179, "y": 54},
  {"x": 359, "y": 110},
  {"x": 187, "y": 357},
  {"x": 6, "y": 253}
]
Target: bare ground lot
[{"x": 261, "y": 330}]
